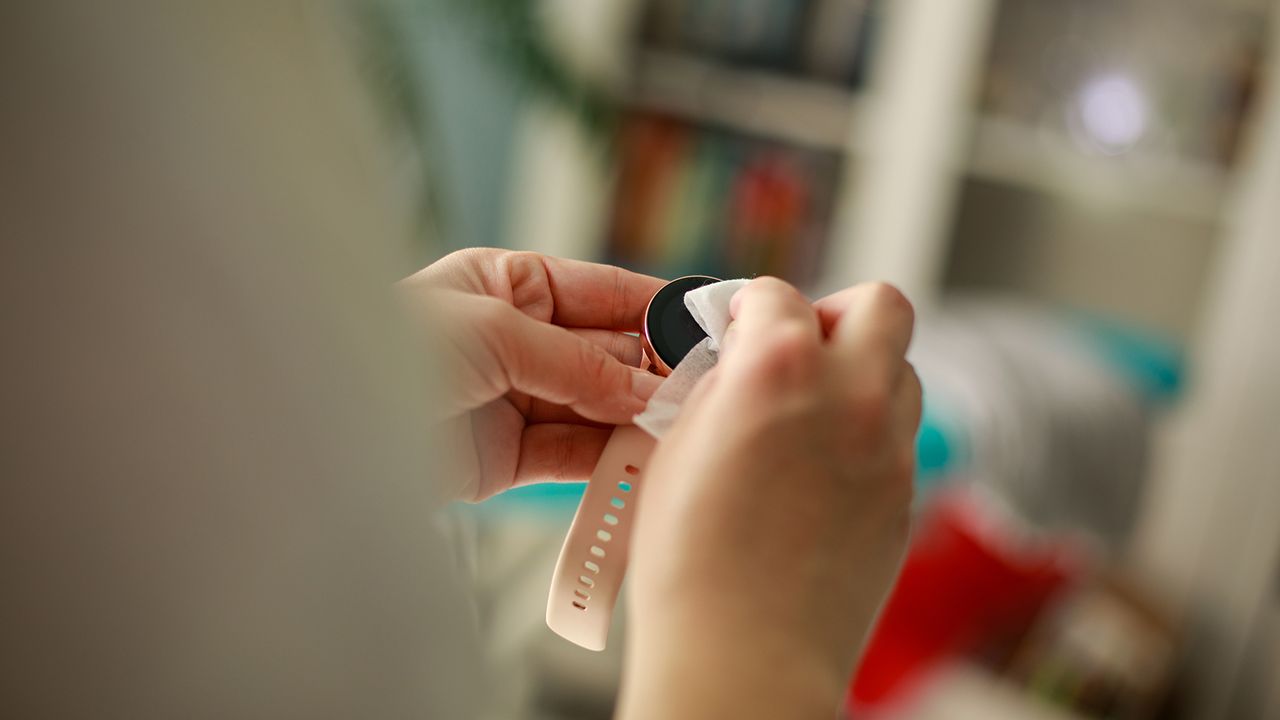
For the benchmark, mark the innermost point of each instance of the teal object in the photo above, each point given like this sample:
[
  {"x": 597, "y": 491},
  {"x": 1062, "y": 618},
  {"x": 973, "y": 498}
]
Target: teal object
[
  {"x": 941, "y": 447},
  {"x": 1153, "y": 364},
  {"x": 939, "y": 451},
  {"x": 555, "y": 498}
]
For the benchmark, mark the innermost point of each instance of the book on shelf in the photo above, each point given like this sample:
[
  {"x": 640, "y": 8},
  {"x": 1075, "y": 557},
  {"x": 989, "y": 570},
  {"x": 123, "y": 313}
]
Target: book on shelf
[{"x": 699, "y": 199}]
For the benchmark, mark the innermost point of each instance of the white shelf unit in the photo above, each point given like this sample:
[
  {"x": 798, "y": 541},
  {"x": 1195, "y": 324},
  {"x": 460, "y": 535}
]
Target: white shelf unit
[
  {"x": 819, "y": 115},
  {"x": 902, "y": 156},
  {"x": 913, "y": 138}
]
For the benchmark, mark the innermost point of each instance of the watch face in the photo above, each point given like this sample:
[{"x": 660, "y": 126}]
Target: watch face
[{"x": 669, "y": 329}]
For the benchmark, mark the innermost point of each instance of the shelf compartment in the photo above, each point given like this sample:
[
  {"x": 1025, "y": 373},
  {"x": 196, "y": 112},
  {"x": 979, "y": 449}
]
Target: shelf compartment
[
  {"x": 782, "y": 107},
  {"x": 1023, "y": 156}
]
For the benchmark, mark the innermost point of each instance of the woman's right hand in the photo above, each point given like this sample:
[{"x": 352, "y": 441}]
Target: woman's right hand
[{"x": 775, "y": 513}]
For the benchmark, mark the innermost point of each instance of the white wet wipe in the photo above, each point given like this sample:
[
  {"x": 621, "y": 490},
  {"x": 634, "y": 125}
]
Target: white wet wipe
[{"x": 709, "y": 306}]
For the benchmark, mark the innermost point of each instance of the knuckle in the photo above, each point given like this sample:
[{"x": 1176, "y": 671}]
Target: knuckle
[
  {"x": 887, "y": 294},
  {"x": 565, "y": 447},
  {"x": 789, "y": 355},
  {"x": 523, "y": 272},
  {"x": 870, "y": 413},
  {"x": 767, "y": 285},
  {"x": 596, "y": 367},
  {"x": 618, "y": 298},
  {"x": 625, "y": 348},
  {"x": 889, "y": 298},
  {"x": 520, "y": 261}
]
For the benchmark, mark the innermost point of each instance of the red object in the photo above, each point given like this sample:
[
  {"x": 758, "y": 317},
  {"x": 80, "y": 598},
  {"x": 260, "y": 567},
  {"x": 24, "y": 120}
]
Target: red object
[
  {"x": 769, "y": 207},
  {"x": 970, "y": 575}
]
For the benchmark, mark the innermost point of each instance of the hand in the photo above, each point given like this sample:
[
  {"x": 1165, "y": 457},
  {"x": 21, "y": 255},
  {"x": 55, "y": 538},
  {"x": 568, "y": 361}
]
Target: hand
[
  {"x": 775, "y": 513},
  {"x": 542, "y": 366}
]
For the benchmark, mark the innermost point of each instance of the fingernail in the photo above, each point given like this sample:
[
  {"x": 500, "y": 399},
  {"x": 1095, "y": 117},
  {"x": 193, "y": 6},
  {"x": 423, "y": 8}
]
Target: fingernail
[
  {"x": 644, "y": 384},
  {"x": 727, "y": 338}
]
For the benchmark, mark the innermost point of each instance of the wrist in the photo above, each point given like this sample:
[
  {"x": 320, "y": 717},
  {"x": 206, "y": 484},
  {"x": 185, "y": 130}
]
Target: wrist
[{"x": 716, "y": 667}]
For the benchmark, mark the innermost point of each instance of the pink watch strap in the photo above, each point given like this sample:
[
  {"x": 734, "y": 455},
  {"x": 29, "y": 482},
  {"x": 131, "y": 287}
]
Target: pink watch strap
[{"x": 593, "y": 560}]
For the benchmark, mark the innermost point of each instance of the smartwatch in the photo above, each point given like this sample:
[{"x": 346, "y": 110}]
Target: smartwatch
[{"x": 593, "y": 560}]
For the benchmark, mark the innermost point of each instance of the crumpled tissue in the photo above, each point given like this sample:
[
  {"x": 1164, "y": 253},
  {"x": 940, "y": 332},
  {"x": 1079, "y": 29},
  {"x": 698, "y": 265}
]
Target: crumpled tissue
[{"x": 709, "y": 306}]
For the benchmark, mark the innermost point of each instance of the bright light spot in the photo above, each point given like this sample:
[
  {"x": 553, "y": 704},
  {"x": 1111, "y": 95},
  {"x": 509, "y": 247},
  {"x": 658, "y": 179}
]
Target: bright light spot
[{"x": 1113, "y": 112}]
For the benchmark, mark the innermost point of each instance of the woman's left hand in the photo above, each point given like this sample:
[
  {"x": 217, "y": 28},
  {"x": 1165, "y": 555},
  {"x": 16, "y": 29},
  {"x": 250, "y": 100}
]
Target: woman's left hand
[{"x": 543, "y": 365}]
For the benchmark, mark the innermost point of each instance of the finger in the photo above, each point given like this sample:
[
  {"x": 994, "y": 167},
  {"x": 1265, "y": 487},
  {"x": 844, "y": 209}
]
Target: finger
[
  {"x": 532, "y": 410},
  {"x": 626, "y": 348},
  {"x": 516, "y": 352},
  {"x": 764, "y": 308},
  {"x": 599, "y": 296},
  {"x": 581, "y": 294},
  {"x": 832, "y": 307},
  {"x": 873, "y": 321},
  {"x": 559, "y": 453},
  {"x": 869, "y": 299},
  {"x": 570, "y": 293},
  {"x": 623, "y": 346}
]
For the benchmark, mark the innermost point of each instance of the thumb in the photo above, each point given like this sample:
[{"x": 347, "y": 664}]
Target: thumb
[{"x": 516, "y": 352}]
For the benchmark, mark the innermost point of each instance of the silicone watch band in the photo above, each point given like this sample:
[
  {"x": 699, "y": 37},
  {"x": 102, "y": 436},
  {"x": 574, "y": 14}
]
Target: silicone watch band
[{"x": 593, "y": 560}]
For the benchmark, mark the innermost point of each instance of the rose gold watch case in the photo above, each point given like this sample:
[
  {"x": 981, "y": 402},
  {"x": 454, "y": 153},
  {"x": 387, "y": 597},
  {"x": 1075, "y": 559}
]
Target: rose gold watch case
[{"x": 652, "y": 361}]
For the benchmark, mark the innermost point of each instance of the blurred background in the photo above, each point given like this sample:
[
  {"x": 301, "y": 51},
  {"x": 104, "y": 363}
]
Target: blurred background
[{"x": 1082, "y": 197}]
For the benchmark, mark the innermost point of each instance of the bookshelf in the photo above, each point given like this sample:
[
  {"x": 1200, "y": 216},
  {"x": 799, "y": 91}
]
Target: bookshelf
[
  {"x": 910, "y": 134},
  {"x": 890, "y": 183},
  {"x": 800, "y": 113},
  {"x": 774, "y": 110},
  {"x": 697, "y": 196}
]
